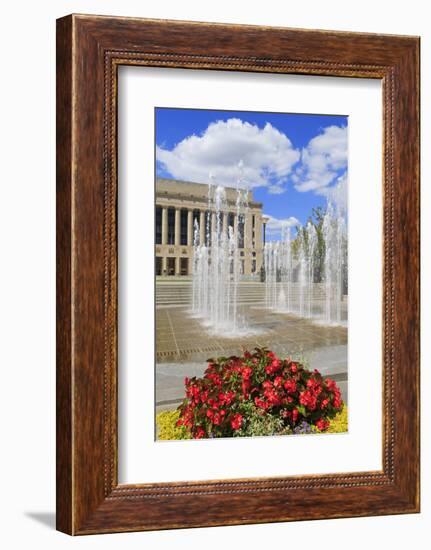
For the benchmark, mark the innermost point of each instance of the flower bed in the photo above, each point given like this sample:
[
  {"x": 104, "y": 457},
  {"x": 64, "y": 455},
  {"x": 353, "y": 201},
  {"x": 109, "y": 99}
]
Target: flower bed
[
  {"x": 168, "y": 430},
  {"x": 256, "y": 394}
]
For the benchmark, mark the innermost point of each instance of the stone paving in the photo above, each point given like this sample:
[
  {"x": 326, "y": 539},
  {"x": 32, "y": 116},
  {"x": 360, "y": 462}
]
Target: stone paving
[
  {"x": 182, "y": 338},
  {"x": 183, "y": 346},
  {"x": 170, "y": 376}
]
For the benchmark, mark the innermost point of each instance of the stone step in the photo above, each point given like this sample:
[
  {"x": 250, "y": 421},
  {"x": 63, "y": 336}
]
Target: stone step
[
  {"x": 181, "y": 293},
  {"x": 242, "y": 292}
]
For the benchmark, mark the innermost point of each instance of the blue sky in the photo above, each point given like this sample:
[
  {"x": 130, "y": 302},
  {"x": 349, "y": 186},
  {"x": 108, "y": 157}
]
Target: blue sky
[{"x": 291, "y": 162}]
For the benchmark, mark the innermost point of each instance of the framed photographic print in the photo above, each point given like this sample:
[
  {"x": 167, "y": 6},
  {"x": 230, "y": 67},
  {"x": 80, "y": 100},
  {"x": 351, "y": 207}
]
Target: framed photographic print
[{"x": 237, "y": 274}]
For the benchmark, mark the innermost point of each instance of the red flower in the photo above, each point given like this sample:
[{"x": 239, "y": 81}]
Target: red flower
[
  {"x": 290, "y": 386},
  {"x": 229, "y": 397},
  {"x": 245, "y": 388},
  {"x": 324, "y": 404},
  {"x": 204, "y": 396},
  {"x": 330, "y": 384},
  {"x": 193, "y": 392},
  {"x": 215, "y": 378},
  {"x": 223, "y": 398},
  {"x": 278, "y": 381},
  {"x": 308, "y": 399},
  {"x": 314, "y": 386},
  {"x": 337, "y": 402},
  {"x": 261, "y": 403},
  {"x": 217, "y": 419},
  {"x": 273, "y": 367},
  {"x": 188, "y": 417},
  {"x": 322, "y": 424},
  {"x": 236, "y": 421},
  {"x": 247, "y": 372},
  {"x": 272, "y": 397},
  {"x": 199, "y": 433}
]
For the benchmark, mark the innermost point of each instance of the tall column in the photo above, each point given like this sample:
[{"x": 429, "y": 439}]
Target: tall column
[
  {"x": 164, "y": 225},
  {"x": 202, "y": 228},
  {"x": 248, "y": 238},
  {"x": 235, "y": 226},
  {"x": 177, "y": 226},
  {"x": 258, "y": 239},
  {"x": 177, "y": 266},
  {"x": 224, "y": 222},
  {"x": 248, "y": 231},
  {"x": 190, "y": 228},
  {"x": 213, "y": 222}
]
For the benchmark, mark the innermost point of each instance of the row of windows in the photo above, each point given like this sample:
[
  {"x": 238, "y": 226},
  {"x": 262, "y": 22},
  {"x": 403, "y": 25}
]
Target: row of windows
[
  {"x": 170, "y": 266},
  {"x": 184, "y": 266},
  {"x": 195, "y": 220}
]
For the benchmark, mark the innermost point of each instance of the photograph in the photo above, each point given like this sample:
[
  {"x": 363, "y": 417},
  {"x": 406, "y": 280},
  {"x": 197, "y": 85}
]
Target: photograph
[
  {"x": 213, "y": 290},
  {"x": 251, "y": 273}
]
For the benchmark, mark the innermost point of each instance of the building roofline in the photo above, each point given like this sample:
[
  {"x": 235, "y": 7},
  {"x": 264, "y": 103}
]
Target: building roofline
[{"x": 191, "y": 183}]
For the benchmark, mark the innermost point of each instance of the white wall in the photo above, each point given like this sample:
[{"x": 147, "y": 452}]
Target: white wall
[{"x": 27, "y": 218}]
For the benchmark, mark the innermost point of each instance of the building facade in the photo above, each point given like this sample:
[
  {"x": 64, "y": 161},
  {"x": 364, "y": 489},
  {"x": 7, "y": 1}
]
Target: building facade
[{"x": 179, "y": 204}]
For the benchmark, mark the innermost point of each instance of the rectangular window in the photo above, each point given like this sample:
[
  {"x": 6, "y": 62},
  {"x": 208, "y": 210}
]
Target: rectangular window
[
  {"x": 184, "y": 266},
  {"x": 158, "y": 225},
  {"x": 241, "y": 231},
  {"x": 171, "y": 225},
  {"x": 208, "y": 228},
  {"x": 171, "y": 266},
  {"x": 158, "y": 265},
  {"x": 230, "y": 220},
  {"x": 183, "y": 232},
  {"x": 196, "y": 221}
]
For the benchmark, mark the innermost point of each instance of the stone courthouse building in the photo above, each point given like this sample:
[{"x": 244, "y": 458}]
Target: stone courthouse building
[{"x": 179, "y": 204}]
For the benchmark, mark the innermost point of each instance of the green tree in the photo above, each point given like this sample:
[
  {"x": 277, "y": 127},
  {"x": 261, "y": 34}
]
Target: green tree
[{"x": 316, "y": 218}]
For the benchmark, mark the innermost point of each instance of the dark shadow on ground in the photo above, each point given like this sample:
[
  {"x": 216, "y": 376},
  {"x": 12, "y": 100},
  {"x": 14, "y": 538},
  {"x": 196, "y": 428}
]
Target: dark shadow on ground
[{"x": 45, "y": 518}]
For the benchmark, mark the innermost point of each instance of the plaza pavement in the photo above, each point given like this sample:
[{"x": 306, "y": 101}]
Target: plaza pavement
[
  {"x": 183, "y": 346},
  {"x": 329, "y": 361}
]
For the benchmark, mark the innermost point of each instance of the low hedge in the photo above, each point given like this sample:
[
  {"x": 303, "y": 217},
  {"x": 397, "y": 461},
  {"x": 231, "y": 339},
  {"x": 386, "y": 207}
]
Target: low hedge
[
  {"x": 339, "y": 423},
  {"x": 167, "y": 429}
]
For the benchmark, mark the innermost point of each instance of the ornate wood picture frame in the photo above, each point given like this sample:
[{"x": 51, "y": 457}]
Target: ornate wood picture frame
[{"x": 89, "y": 51}]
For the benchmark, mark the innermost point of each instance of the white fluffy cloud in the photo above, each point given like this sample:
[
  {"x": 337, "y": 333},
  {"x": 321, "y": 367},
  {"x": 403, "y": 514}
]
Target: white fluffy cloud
[
  {"x": 268, "y": 155},
  {"x": 274, "y": 226},
  {"x": 337, "y": 194},
  {"x": 276, "y": 189},
  {"x": 322, "y": 160}
]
